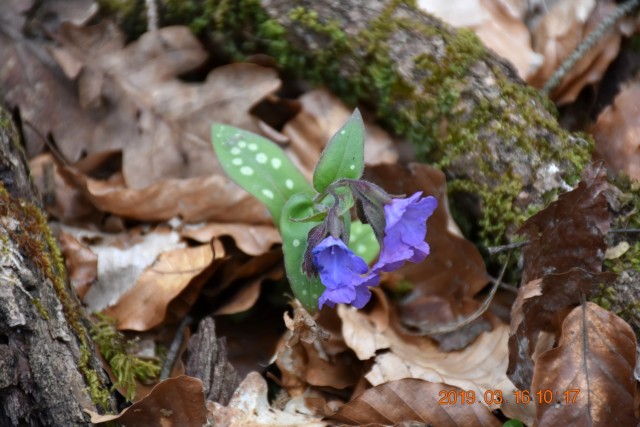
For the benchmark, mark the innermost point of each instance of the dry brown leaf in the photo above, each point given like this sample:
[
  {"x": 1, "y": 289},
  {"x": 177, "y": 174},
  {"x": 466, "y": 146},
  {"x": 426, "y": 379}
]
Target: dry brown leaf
[
  {"x": 251, "y": 239},
  {"x": 59, "y": 193},
  {"x": 305, "y": 359},
  {"x": 454, "y": 270},
  {"x": 81, "y": 263},
  {"x": 570, "y": 232},
  {"x": 169, "y": 120},
  {"x": 175, "y": 402},
  {"x": 481, "y": 366},
  {"x": 18, "y": 53},
  {"x": 416, "y": 400},
  {"x": 235, "y": 285},
  {"x": 498, "y": 23},
  {"x": 144, "y": 306},
  {"x": 249, "y": 407},
  {"x": 121, "y": 259},
  {"x": 211, "y": 197},
  {"x": 558, "y": 34},
  {"x": 617, "y": 132},
  {"x": 562, "y": 264},
  {"x": 20, "y": 90},
  {"x": 539, "y": 310},
  {"x": 594, "y": 362},
  {"x": 321, "y": 116}
]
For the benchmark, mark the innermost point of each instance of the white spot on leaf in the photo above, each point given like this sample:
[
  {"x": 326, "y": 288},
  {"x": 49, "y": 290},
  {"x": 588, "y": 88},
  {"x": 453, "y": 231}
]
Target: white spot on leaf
[
  {"x": 246, "y": 170},
  {"x": 267, "y": 193},
  {"x": 237, "y": 161},
  {"x": 253, "y": 146},
  {"x": 296, "y": 243},
  {"x": 289, "y": 184},
  {"x": 276, "y": 163},
  {"x": 235, "y": 151},
  {"x": 261, "y": 158},
  {"x": 361, "y": 248},
  {"x": 352, "y": 167},
  {"x": 242, "y": 144}
]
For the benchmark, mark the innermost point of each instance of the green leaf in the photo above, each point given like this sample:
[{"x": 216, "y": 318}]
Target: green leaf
[
  {"x": 294, "y": 245},
  {"x": 363, "y": 241},
  {"x": 343, "y": 157},
  {"x": 259, "y": 166}
]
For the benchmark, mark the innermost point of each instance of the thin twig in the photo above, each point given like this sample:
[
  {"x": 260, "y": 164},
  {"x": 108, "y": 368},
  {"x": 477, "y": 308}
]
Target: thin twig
[
  {"x": 152, "y": 15},
  {"x": 586, "y": 45},
  {"x": 172, "y": 353},
  {"x": 510, "y": 246},
  {"x": 454, "y": 326},
  {"x": 498, "y": 249},
  {"x": 625, "y": 230}
]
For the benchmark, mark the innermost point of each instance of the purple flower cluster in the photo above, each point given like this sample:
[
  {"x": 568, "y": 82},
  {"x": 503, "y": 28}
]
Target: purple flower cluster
[{"x": 347, "y": 277}]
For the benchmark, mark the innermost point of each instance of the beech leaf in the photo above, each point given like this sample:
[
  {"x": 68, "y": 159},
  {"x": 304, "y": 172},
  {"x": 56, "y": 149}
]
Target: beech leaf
[
  {"x": 590, "y": 373},
  {"x": 416, "y": 400}
]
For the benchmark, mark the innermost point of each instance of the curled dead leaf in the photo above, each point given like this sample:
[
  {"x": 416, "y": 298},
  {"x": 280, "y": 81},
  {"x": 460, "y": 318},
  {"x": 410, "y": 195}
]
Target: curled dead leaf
[
  {"x": 81, "y": 263},
  {"x": 249, "y": 407},
  {"x": 479, "y": 367},
  {"x": 590, "y": 374},
  {"x": 617, "y": 132},
  {"x": 570, "y": 232},
  {"x": 251, "y": 239},
  {"x": 144, "y": 306},
  {"x": 562, "y": 264},
  {"x": 416, "y": 400},
  {"x": 62, "y": 198},
  {"x": 306, "y": 357},
  {"x": 212, "y": 197},
  {"x": 175, "y": 402}
]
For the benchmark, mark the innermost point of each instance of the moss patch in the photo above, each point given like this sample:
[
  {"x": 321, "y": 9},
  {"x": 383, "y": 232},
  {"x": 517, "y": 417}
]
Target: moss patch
[
  {"x": 115, "y": 349},
  {"x": 37, "y": 244}
]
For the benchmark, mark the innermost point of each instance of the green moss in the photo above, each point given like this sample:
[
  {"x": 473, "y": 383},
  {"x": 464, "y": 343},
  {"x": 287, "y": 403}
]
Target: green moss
[
  {"x": 37, "y": 244},
  {"x": 433, "y": 117},
  {"x": 41, "y": 309},
  {"x": 628, "y": 217},
  {"x": 125, "y": 367}
]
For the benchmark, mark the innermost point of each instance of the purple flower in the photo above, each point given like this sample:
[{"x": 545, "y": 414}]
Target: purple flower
[
  {"x": 342, "y": 273},
  {"x": 405, "y": 231}
]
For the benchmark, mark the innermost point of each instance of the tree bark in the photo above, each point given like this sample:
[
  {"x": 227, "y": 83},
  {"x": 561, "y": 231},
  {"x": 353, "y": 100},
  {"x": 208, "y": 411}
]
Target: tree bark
[{"x": 48, "y": 369}]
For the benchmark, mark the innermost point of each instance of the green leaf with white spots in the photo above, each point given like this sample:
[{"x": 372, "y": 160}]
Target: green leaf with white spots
[
  {"x": 343, "y": 157},
  {"x": 363, "y": 241},
  {"x": 259, "y": 166},
  {"x": 294, "y": 244}
]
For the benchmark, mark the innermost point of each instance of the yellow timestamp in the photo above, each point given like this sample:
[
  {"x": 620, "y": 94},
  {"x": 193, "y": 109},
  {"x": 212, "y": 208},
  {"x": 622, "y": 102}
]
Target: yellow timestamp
[{"x": 497, "y": 397}]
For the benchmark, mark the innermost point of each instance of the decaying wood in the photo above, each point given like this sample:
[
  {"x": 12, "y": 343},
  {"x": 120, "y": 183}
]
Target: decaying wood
[
  {"x": 41, "y": 383},
  {"x": 207, "y": 360}
]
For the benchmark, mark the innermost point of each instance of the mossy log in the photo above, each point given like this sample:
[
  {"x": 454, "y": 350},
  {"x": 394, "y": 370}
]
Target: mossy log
[
  {"x": 48, "y": 369},
  {"x": 464, "y": 108}
]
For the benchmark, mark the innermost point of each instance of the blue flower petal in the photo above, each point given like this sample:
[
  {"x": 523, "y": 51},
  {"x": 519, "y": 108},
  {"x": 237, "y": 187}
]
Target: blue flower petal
[
  {"x": 405, "y": 232},
  {"x": 341, "y": 272}
]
